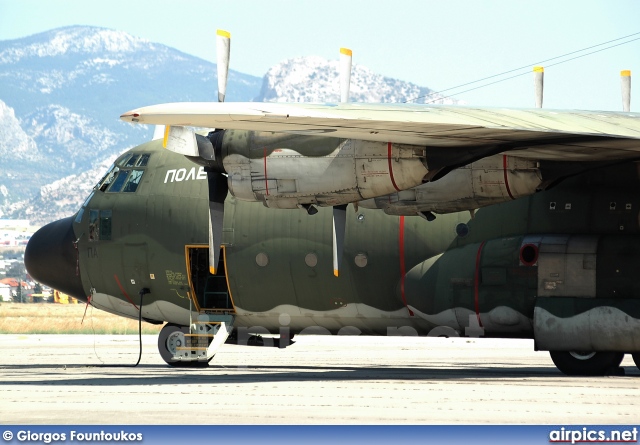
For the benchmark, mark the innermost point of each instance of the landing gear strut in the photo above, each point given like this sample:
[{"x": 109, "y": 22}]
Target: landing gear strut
[
  {"x": 587, "y": 363},
  {"x": 196, "y": 345}
]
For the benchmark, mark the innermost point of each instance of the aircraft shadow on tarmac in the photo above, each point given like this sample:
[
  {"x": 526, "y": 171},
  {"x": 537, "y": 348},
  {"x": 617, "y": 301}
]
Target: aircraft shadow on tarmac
[{"x": 219, "y": 374}]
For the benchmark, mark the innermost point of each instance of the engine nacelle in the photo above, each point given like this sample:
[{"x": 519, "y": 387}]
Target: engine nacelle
[
  {"x": 285, "y": 171},
  {"x": 489, "y": 181}
]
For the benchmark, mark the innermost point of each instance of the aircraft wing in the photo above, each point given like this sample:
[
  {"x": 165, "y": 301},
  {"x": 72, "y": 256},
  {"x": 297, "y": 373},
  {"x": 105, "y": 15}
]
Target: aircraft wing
[{"x": 539, "y": 134}]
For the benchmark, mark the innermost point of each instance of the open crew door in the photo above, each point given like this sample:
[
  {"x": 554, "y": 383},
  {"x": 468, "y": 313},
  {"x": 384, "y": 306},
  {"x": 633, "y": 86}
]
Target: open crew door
[{"x": 211, "y": 291}]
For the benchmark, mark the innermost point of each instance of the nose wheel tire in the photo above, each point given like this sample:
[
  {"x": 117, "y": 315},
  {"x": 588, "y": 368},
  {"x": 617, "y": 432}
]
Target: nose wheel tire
[
  {"x": 586, "y": 363},
  {"x": 171, "y": 337}
]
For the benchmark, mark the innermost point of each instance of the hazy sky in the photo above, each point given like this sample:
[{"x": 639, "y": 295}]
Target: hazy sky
[{"x": 435, "y": 44}]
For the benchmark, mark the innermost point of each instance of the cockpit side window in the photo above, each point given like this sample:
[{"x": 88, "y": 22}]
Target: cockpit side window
[
  {"x": 81, "y": 211},
  {"x": 108, "y": 178},
  {"x": 100, "y": 225},
  {"x": 105, "y": 225},
  {"x": 94, "y": 230}
]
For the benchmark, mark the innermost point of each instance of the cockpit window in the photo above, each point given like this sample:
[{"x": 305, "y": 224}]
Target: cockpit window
[
  {"x": 120, "y": 177},
  {"x": 134, "y": 179},
  {"x": 123, "y": 160},
  {"x": 108, "y": 178},
  {"x": 118, "y": 182},
  {"x": 131, "y": 161},
  {"x": 144, "y": 159},
  {"x": 78, "y": 218},
  {"x": 81, "y": 211}
]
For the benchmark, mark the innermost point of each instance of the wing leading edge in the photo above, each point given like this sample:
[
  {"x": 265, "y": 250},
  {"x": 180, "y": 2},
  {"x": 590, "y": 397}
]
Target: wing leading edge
[{"x": 528, "y": 133}]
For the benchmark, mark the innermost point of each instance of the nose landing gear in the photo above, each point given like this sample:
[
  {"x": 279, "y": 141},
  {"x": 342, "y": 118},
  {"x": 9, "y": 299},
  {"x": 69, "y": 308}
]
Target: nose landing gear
[{"x": 196, "y": 345}]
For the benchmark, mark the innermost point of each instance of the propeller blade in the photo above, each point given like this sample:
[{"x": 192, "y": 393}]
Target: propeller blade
[
  {"x": 345, "y": 74},
  {"x": 538, "y": 84},
  {"x": 223, "y": 51},
  {"x": 625, "y": 78},
  {"x": 340, "y": 212},
  {"x": 217, "y": 182},
  {"x": 339, "y": 227},
  {"x": 217, "y": 193}
]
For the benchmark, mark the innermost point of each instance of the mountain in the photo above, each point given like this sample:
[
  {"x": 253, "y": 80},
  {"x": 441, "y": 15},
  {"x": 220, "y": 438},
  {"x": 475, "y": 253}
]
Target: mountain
[
  {"x": 60, "y": 198},
  {"x": 62, "y": 91},
  {"x": 315, "y": 79}
]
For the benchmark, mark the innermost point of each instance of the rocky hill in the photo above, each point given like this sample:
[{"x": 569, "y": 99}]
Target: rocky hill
[
  {"x": 315, "y": 79},
  {"x": 62, "y": 91}
]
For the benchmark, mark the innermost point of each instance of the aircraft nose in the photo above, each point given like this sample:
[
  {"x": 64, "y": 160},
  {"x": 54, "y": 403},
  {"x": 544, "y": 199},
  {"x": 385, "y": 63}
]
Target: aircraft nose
[{"x": 52, "y": 259}]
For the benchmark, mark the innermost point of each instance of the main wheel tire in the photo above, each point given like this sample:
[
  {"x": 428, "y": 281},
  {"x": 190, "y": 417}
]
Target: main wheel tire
[
  {"x": 586, "y": 363},
  {"x": 636, "y": 359},
  {"x": 172, "y": 336}
]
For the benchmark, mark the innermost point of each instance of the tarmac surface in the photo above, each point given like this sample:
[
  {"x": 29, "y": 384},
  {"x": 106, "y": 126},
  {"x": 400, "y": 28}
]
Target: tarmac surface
[{"x": 61, "y": 379}]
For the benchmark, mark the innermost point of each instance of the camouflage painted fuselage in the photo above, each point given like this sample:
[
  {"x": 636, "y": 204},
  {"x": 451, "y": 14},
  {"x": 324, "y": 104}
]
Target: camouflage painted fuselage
[{"x": 514, "y": 268}]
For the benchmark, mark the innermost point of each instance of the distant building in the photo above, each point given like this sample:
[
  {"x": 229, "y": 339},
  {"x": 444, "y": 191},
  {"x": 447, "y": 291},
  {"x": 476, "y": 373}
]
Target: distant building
[
  {"x": 20, "y": 225},
  {"x": 11, "y": 282},
  {"x": 5, "y": 292}
]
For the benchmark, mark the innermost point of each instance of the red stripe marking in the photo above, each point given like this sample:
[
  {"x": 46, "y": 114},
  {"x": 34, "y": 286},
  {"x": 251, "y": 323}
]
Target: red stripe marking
[
  {"x": 506, "y": 177},
  {"x": 476, "y": 283},
  {"x": 124, "y": 292},
  {"x": 266, "y": 183},
  {"x": 402, "y": 264},
  {"x": 393, "y": 181}
]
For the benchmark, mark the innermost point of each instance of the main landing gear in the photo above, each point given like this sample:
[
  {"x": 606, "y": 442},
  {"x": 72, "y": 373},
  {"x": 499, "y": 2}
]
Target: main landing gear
[{"x": 590, "y": 363}]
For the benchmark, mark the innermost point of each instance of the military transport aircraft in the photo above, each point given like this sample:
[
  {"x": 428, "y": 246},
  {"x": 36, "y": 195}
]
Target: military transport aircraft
[{"x": 374, "y": 219}]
